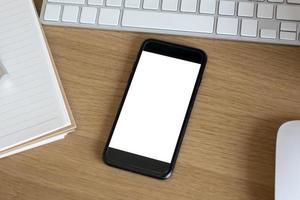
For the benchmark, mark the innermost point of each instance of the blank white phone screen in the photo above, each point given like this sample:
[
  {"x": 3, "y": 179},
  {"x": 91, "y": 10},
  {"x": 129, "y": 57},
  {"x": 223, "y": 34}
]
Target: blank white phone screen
[{"x": 155, "y": 107}]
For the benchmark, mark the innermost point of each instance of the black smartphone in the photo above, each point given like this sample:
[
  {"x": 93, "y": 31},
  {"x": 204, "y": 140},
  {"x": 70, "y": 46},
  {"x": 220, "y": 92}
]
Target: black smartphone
[{"x": 154, "y": 112}]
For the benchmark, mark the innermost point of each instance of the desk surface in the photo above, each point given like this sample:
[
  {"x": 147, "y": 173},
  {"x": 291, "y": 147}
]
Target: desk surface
[{"x": 228, "y": 151}]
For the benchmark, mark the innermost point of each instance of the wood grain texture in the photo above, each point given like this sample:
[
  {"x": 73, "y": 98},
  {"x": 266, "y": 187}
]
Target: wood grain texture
[{"x": 228, "y": 152}]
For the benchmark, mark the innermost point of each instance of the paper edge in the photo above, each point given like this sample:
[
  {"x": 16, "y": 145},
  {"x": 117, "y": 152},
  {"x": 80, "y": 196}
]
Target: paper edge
[{"x": 34, "y": 145}]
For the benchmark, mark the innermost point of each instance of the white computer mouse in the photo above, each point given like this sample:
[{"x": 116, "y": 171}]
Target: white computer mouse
[{"x": 287, "y": 175}]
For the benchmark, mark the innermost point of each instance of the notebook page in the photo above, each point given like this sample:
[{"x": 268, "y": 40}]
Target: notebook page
[
  {"x": 31, "y": 146},
  {"x": 31, "y": 103}
]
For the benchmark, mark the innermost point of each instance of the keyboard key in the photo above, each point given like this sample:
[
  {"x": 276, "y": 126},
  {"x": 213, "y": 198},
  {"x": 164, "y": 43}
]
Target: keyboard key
[
  {"x": 268, "y": 33},
  {"x": 88, "y": 15},
  {"x": 265, "y": 11},
  {"x": 226, "y": 7},
  {"x": 132, "y": 3},
  {"x": 70, "y": 14},
  {"x": 170, "y": 5},
  {"x": 249, "y": 28},
  {"x": 109, "y": 16},
  {"x": 294, "y": 1},
  {"x": 95, "y": 2},
  {"x": 287, "y": 35},
  {"x": 288, "y": 12},
  {"x": 116, "y": 3},
  {"x": 246, "y": 9},
  {"x": 159, "y": 20},
  {"x": 151, "y": 4},
  {"x": 68, "y": 1},
  {"x": 275, "y": 1},
  {"x": 288, "y": 26},
  {"x": 227, "y": 26},
  {"x": 208, "y": 6},
  {"x": 52, "y": 12},
  {"x": 188, "y": 5}
]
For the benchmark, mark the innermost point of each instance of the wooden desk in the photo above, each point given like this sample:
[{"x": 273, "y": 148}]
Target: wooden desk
[{"x": 228, "y": 152}]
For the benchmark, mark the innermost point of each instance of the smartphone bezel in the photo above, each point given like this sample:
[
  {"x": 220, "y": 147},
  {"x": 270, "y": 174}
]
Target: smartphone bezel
[{"x": 144, "y": 165}]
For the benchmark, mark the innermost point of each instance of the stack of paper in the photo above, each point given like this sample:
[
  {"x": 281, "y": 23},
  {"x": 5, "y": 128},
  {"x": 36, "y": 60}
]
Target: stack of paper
[{"x": 33, "y": 106}]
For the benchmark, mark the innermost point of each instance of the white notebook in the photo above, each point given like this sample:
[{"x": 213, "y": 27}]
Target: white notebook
[{"x": 32, "y": 102}]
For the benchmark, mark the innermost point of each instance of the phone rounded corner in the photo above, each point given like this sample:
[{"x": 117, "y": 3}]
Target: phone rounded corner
[
  {"x": 205, "y": 57},
  {"x": 147, "y": 41},
  {"x": 204, "y": 54},
  {"x": 105, "y": 158},
  {"x": 167, "y": 175}
]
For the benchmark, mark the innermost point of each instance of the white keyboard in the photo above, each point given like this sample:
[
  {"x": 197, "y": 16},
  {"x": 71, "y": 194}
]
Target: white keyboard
[{"x": 271, "y": 21}]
